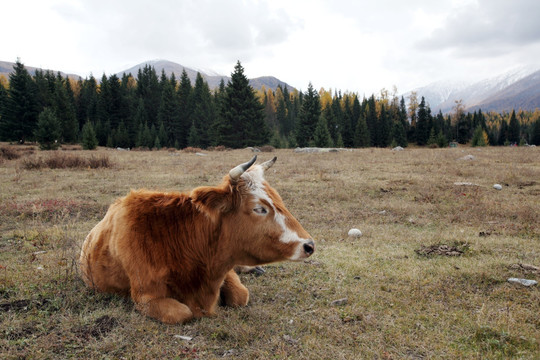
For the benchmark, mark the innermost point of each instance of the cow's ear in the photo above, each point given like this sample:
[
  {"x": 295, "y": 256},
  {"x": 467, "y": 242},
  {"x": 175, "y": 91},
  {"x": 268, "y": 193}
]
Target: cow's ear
[{"x": 213, "y": 201}]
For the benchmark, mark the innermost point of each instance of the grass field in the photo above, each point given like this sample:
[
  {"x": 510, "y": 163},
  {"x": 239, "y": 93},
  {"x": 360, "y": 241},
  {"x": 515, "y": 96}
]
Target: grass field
[{"x": 427, "y": 279}]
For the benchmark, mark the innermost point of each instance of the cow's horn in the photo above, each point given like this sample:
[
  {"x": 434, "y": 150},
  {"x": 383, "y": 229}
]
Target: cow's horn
[
  {"x": 236, "y": 172},
  {"x": 268, "y": 164}
]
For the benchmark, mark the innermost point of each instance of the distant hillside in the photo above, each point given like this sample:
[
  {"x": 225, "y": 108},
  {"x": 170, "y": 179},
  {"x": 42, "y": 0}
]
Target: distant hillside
[{"x": 213, "y": 79}]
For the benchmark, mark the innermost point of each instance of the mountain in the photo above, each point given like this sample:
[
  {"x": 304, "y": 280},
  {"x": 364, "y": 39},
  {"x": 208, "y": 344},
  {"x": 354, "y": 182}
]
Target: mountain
[
  {"x": 523, "y": 94},
  {"x": 6, "y": 68},
  {"x": 212, "y": 78},
  {"x": 493, "y": 94}
]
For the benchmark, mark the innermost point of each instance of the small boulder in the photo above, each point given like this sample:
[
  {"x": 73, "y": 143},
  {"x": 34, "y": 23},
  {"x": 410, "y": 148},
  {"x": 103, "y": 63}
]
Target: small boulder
[
  {"x": 497, "y": 187},
  {"x": 354, "y": 233},
  {"x": 524, "y": 282}
]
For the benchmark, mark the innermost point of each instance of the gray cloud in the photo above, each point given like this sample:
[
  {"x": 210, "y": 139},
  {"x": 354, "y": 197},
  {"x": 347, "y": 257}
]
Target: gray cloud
[
  {"x": 190, "y": 31},
  {"x": 488, "y": 28}
]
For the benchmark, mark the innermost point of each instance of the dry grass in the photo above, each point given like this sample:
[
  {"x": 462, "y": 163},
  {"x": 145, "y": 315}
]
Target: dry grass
[
  {"x": 399, "y": 304},
  {"x": 64, "y": 160}
]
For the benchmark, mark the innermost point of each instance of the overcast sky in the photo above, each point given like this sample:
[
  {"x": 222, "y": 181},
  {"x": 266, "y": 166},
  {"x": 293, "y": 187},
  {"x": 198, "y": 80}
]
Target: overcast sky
[{"x": 359, "y": 46}]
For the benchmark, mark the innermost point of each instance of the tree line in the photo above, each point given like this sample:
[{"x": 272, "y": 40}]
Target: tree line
[{"x": 152, "y": 111}]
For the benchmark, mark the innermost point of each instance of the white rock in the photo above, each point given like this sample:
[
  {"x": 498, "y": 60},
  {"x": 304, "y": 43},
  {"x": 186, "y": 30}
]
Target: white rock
[
  {"x": 524, "y": 282},
  {"x": 467, "y": 157},
  {"x": 459, "y": 183},
  {"x": 497, "y": 187},
  {"x": 398, "y": 148},
  {"x": 182, "y": 337},
  {"x": 355, "y": 233}
]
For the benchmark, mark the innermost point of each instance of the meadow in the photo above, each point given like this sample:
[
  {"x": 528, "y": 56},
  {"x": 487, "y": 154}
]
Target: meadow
[{"x": 426, "y": 280}]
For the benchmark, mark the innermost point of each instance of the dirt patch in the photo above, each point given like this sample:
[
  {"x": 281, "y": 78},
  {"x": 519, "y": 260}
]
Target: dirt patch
[
  {"x": 525, "y": 268},
  {"x": 24, "y": 305},
  {"x": 457, "y": 249},
  {"x": 101, "y": 327}
]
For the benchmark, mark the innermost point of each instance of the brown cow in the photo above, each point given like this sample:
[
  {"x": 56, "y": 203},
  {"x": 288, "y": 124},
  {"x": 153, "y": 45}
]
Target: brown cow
[{"x": 175, "y": 253}]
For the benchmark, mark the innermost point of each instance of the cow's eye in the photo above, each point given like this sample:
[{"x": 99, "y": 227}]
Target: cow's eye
[{"x": 260, "y": 210}]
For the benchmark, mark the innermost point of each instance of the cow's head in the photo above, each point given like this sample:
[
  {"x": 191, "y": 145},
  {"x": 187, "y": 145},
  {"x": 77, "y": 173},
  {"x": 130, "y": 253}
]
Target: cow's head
[{"x": 252, "y": 214}]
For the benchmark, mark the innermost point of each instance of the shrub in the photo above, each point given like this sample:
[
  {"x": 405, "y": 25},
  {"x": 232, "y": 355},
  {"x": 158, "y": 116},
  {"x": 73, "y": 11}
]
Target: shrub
[
  {"x": 59, "y": 160},
  {"x": 8, "y": 153},
  {"x": 192, "y": 150},
  {"x": 267, "y": 148}
]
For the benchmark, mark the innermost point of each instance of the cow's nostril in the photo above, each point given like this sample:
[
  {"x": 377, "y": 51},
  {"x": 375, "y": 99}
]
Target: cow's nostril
[{"x": 309, "y": 247}]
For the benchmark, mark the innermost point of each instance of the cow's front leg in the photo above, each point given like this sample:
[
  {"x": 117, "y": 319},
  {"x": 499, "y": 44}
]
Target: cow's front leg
[
  {"x": 233, "y": 293},
  {"x": 153, "y": 301}
]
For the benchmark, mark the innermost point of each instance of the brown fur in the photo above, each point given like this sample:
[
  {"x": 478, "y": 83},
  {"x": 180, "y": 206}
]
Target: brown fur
[{"x": 175, "y": 253}]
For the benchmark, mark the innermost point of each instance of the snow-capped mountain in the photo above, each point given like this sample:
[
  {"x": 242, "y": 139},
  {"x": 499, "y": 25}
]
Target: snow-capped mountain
[{"x": 442, "y": 95}]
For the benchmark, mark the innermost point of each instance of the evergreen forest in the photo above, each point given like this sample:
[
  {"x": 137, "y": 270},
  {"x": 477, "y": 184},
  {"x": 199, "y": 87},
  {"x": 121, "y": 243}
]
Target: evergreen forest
[{"x": 152, "y": 110}]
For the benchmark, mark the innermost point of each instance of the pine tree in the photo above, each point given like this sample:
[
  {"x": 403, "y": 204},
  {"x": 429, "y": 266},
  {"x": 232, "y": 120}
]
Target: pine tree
[
  {"x": 399, "y": 134},
  {"x": 371, "y": 120},
  {"x": 503, "y": 133},
  {"x": 65, "y": 110},
  {"x": 185, "y": 109},
  {"x": 194, "y": 139},
  {"x": 535, "y": 136},
  {"x": 48, "y": 130},
  {"x": 89, "y": 139},
  {"x": 442, "y": 141},
  {"x": 422, "y": 129},
  {"x": 20, "y": 111},
  {"x": 242, "y": 119},
  {"x": 162, "y": 135},
  {"x": 383, "y": 128},
  {"x": 168, "y": 113},
  {"x": 479, "y": 137},
  {"x": 203, "y": 114},
  {"x": 362, "y": 139},
  {"x": 347, "y": 124},
  {"x": 308, "y": 117},
  {"x": 87, "y": 101},
  {"x": 513, "y": 129},
  {"x": 147, "y": 139},
  {"x": 432, "y": 140},
  {"x": 281, "y": 110},
  {"x": 149, "y": 90},
  {"x": 157, "y": 143},
  {"x": 321, "y": 137},
  {"x": 3, "y": 97},
  {"x": 122, "y": 136}
]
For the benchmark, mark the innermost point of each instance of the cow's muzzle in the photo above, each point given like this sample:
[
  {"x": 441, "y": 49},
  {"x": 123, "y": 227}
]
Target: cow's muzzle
[{"x": 309, "y": 247}]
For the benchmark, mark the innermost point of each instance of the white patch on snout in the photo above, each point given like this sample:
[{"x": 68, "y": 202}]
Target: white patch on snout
[{"x": 254, "y": 178}]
